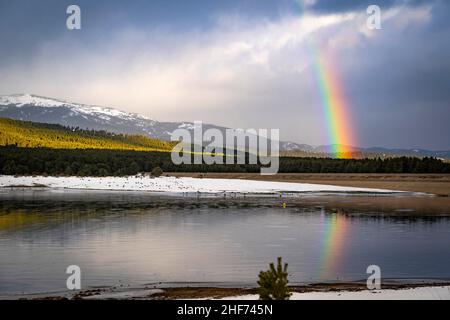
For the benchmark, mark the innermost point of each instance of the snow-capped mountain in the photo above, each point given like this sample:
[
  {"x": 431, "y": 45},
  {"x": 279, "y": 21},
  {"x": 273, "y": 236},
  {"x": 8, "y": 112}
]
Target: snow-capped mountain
[{"x": 35, "y": 108}]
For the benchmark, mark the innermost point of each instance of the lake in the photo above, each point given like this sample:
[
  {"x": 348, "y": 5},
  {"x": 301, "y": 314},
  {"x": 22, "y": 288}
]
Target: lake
[{"x": 137, "y": 239}]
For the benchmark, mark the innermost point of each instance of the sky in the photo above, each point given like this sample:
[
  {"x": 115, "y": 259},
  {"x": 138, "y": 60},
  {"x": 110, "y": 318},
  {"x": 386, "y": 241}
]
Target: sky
[{"x": 241, "y": 64}]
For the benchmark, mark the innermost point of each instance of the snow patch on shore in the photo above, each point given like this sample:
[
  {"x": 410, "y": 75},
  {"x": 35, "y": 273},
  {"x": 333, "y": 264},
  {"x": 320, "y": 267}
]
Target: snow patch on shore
[
  {"x": 420, "y": 293},
  {"x": 176, "y": 185}
]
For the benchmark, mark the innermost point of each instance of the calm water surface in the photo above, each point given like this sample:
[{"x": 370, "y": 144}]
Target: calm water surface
[{"x": 137, "y": 239}]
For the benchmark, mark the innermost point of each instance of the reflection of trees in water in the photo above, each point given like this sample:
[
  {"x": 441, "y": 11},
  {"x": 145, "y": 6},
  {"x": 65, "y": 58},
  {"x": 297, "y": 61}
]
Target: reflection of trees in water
[
  {"x": 17, "y": 218},
  {"x": 428, "y": 219},
  {"x": 20, "y": 210},
  {"x": 389, "y": 216}
]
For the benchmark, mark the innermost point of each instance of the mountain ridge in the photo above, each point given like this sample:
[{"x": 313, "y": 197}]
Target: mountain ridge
[{"x": 36, "y": 108}]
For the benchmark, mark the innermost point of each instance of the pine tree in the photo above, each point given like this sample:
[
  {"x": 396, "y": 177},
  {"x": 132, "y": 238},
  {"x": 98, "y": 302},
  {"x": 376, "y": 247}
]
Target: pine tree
[{"x": 273, "y": 282}]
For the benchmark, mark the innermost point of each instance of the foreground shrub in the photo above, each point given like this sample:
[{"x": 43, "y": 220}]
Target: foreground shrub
[{"x": 273, "y": 283}]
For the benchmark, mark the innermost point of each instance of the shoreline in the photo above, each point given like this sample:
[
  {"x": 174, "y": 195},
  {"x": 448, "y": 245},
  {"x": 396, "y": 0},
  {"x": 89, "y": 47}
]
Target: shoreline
[
  {"x": 374, "y": 202},
  {"x": 437, "y": 184},
  {"x": 314, "y": 288},
  {"x": 320, "y": 291},
  {"x": 430, "y": 184},
  {"x": 180, "y": 185}
]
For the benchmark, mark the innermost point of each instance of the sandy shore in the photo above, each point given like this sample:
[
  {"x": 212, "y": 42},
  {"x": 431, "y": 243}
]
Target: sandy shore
[{"x": 438, "y": 184}]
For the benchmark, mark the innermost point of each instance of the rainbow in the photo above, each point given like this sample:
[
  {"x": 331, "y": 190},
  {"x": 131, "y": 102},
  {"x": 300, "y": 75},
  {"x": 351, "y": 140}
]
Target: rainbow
[
  {"x": 341, "y": 137},
  {"x": 337, "y": 228},
  {"x": 335, "y": 107}
]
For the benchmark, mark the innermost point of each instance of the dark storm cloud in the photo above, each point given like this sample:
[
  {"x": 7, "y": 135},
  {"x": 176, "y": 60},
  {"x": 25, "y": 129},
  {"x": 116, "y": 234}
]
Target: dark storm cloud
[
  {"x": 26, "y": 24},
  {"x": 241, "y": 71},
  {"x": 401, "y": 89}
]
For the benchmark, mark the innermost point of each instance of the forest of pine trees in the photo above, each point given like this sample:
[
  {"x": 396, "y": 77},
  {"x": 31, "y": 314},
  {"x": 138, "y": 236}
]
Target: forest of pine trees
[
  {"x": 31, "y": 135},
  {"x": 28, "y": 148},
  {"x": 91, "y": 162}
]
